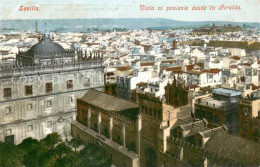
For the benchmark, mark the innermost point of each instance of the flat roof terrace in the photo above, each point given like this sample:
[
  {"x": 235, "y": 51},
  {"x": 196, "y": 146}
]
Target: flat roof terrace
[
  {"x": 217, "y": 104},
  {"x": 226, "y": 92}
]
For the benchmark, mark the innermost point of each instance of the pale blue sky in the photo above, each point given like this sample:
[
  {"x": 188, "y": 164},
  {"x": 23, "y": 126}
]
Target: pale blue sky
[{"x": 60, "y": 9}]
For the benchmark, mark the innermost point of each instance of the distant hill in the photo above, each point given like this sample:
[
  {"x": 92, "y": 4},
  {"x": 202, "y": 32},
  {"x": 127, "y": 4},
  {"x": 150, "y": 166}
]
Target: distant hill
[{"x": 84, "y": 25}]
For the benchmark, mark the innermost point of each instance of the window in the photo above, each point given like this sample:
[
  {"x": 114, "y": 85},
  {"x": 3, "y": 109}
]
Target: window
[
  {"x": 159, "y": 113},
  {"x": 8, "y": 131},
  {"x": 28, "y": 90},
  {"x": 70, "y": 100},
  {"x": 29, "y": 107},
  {"x": 199, "y": 142},
  {"x": 150, "y": 112},
  {"x": 7, "y": 93},
  {"x": 210, "y": 116},
  {"x": 179, "y": 135},
  {"x": 49, "y": 124},
  {"x": 69, "y": 84},
  {"x": 197, "y": 113},
  {"x": 118, "y": 139},
  {"x": 245, "y": 126},
  {"x": 71, "y": 119},
  {"x": 30, "y": 128},
  {"x": 216, "y": 119},
  {"x": 49, "y": 103},
  {"x": 203, "y": 114},
  {"x": 87, "y": 82},
  {"x": 245, "y": 112},
  {"x": 229, "y": 118},
  {"x": 106, "y": 132},
  {"x": 8, "y": 110},
  {"x": 48, "y": 87},
  {"x": 154, "y": 113}
]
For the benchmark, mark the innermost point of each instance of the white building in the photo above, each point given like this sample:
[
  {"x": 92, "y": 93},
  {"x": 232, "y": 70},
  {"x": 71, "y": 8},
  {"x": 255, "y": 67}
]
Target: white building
[{"x": 128, "y": 83}]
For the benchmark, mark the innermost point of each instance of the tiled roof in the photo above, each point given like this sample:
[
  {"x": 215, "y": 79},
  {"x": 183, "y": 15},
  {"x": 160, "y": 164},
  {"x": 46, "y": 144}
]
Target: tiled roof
[
  {"x": 200, "y": 64},
  {"x": 247, "y": 64},
  {"x": 235, "y": 58},
  {"x": 123, "y": 68},
  {"x": 142, "y": 84},
  {"x": 135, "y": 61},
  {"x": 254, "y": 87},
  {"x": 214, "y": 71},
  {"x": 189, "y": 67},
  {"x": 233, "y": 66},
  {"x": 147, "y": 64},
  {"x": 167, "y": 61},
  {"x": 194, "y": 127},
  {"x": 107, "y": 102},
  {"x": 234, "y": 148},
  {"x": 173, "y": 68}
]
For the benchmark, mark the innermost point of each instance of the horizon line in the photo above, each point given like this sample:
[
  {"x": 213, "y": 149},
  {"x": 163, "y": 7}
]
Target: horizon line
[{"x": 131, "y": 18}]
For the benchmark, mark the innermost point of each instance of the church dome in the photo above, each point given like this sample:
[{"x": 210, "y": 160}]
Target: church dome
[{"x": 45, "y": 47}]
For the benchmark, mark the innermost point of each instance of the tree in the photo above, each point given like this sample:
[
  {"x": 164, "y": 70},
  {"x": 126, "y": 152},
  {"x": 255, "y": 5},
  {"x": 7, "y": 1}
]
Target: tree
[
  {"x": 75, "y": 143},
  {"x": 51, "y": 151},
  {"x": 61, "y": 149},
  {"x": 10, "y": 155},
  {"x": 69, "y": 160},
  {"x": 51, "y": 140},
  {"x": 93, "y": 155},
  {"x": 35, "y": 154},
  {"x": 28, "y": 144}
]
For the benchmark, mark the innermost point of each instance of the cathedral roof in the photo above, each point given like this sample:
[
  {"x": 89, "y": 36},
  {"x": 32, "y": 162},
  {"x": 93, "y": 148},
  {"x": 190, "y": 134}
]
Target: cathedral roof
[
  {"x": 107, "y": 102},
  {"x": 111, "y": 103},
  {"x": 234, "y": 148}
]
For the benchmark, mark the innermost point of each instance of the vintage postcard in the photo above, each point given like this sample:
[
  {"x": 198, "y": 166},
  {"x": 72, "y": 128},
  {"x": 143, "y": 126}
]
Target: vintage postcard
[{"x": 129, "y": 83}]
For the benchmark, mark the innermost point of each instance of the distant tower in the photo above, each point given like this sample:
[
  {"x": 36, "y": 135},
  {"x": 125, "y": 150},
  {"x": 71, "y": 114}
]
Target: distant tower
[
  {"x": 174, "y": 44},
  {"x": 45, "y": 28},
  {"x": 36, "y": 27}
]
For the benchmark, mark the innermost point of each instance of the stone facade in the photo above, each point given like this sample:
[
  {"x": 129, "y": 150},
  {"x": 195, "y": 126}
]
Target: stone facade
[
  {"x": 249, "y": 121},
  {"x": 159, "y": 135},
  {"x": 110, "y": 124},
  {"x": 41, "y": 98}
]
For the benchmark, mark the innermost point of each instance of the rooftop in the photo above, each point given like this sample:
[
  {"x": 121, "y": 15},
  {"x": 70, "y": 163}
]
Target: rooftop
[
  {"x": 106, "y": 101},
  {"x": 226, "y": 92},
  {"x": 111, "y": 103}
]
